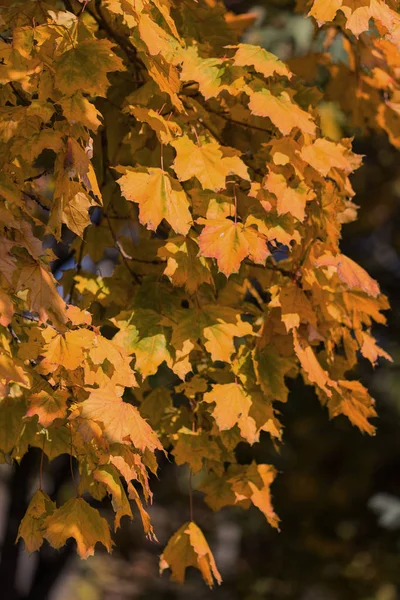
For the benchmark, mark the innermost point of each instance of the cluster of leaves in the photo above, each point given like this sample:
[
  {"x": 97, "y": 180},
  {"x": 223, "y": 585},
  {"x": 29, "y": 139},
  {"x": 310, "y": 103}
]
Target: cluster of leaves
[
  {"x": 363, "y": 78},
  {"x": 145, "y": 128}
]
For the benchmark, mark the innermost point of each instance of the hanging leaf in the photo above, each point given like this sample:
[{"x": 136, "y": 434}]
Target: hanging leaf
[
  {"x": 188, "y": 548},
  {"x": 77, "y": 519}
]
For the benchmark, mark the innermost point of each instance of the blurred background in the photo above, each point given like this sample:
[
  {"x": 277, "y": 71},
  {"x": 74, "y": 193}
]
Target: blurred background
[{"x": 338, "y": 491}]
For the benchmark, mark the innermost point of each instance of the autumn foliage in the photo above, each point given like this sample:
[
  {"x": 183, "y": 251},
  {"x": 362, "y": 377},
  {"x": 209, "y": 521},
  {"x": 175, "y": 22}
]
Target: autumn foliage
[{"x": 145, "y": 131}]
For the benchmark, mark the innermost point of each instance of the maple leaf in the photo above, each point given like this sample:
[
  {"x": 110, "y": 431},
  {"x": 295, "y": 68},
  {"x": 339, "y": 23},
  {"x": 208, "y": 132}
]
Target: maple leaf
[
  {"x": 121, "y": 421},
  {"x": 290, "y": 199},
  {"x": 43, "y": 297},
  {"x": 312, "y": 368},
  {"x": 166, "y": 130},
  {"x": 358, "y": 15},
  {"x": 324, "y": 155},
  {"x": 242, "y": 485},
  {"x": 354, "y": 276},
  {"x": 145, "y": 337},
  {"x": 370, "y": 349},
  {"x": 12, "y": 412},
  {"x": 295, "y": 306},
  {"x": 84, "y": 68},
  {"x": 144, "y": 515},
  {"x": 77, "y": 519},
  {"x": 223, "y": 324},
  {"x": 184, "y": 267},
  {"x": 71, "y": 205},
  {"x": 11, "y": 370},
  {"x": 78, "y": 109},
  {"x": 48, "y": 406},
  {"x": 166, "y": 77},
  {"x": 261, "y": 495},
  {"x": 282, "y": 111},
  {"x": 31, "y": 528},
  {"x": 159, "y": 197},
  {"x": 193, "y": 447},
  {"x": 230, "y": 243},
  {"x": 207, "y": 72},
  {"x": 108, "y": 475},
  {"x": 66, "y": 349},
  {"x": 6, "y": 309},
  {"x": 188, "y": 548},
  {"x": 232, "y": 406},
  {"x": 354, "y": 401},
  {"x": 271, "y": 369},
  {"x": 105, "y": 351},
  {"x": 263, "y": 61},
  {"x": 215, "y": 326},
  {"x": 206, "y": 162}
]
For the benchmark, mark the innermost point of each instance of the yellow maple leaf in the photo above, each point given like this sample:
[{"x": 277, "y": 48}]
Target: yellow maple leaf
[
  {"x": 188, "y": 548},
  {"x": 295, "y": 306},
  {"x": 354, "y": 276},
  {"x": 12, "y": 370},
  {"x": 184, "y": 267},
  {"x": 353, "y": 400},
  {"x": 31, "y": 528},
  {"x": 260, "y": 494},
  {"x": 48, "y": 406},
  {"x": 263, "y": 61},
  {"x": 290, "y": 199},
  {"x": 121, "y": 421},
  {"x": 282, "y": 111},
  {"x": 223, "y": 324},
  {"x": 120, "y": 372},
  {"x": 206, "y": 162},
  {"x": 370, "y": 349},
  {"x": 230, "y": 243},
  {"x": 166, "y": 130},
  {"x": 78, "y": 109},
  {"x": 207, "y": 72},
  {"x": 108, "y": 475},
  {"x": 324, "y": 155},
  {"x": 310, "y": 365},
  {"x": 358, "y": 15},
  {"x": 159, "y": 197},
  {"x": 232, "y": 406},
  {"x": 77, "y": 519},
  {"x": 66, "y": 350},
  {"x": 43, "y": 297}
]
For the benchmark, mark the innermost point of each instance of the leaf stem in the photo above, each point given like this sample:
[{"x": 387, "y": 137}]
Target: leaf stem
[
  {"x": 71, "y": 466},
  {"x": 41, "y": 465},
  {"x": 135, "y": 276},
  {"x": 190, "y": 495}
]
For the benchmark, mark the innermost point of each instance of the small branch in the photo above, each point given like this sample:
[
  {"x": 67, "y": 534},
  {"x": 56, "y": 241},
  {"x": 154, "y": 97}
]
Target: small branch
[
  {"x": 41, "y": 465},
  {"x": 20, "y": 95},
  {"x": 71, "y": 466},
  {"x": 135, "y": 276},
  {"x": 36, "y": 199},
  {"x": 78, "y": 266},
  {"x": 241, "y": 123},
  {"x": 34, "y": 177},
  {"x": 271, "y": 267}
]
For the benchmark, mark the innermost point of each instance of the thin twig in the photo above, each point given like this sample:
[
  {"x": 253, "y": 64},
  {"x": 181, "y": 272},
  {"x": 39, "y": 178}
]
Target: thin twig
[
  {"x": 70, "y": 462},
  {"x": 135, "y": 276},
  {"x": 41, "y": 464},
  {"x": 78, "y": 266},
  {"x": 36, "y": 176}
]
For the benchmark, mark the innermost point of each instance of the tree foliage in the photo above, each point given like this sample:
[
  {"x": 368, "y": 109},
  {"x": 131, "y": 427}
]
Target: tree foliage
[{"x": 145, "y": 128}]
